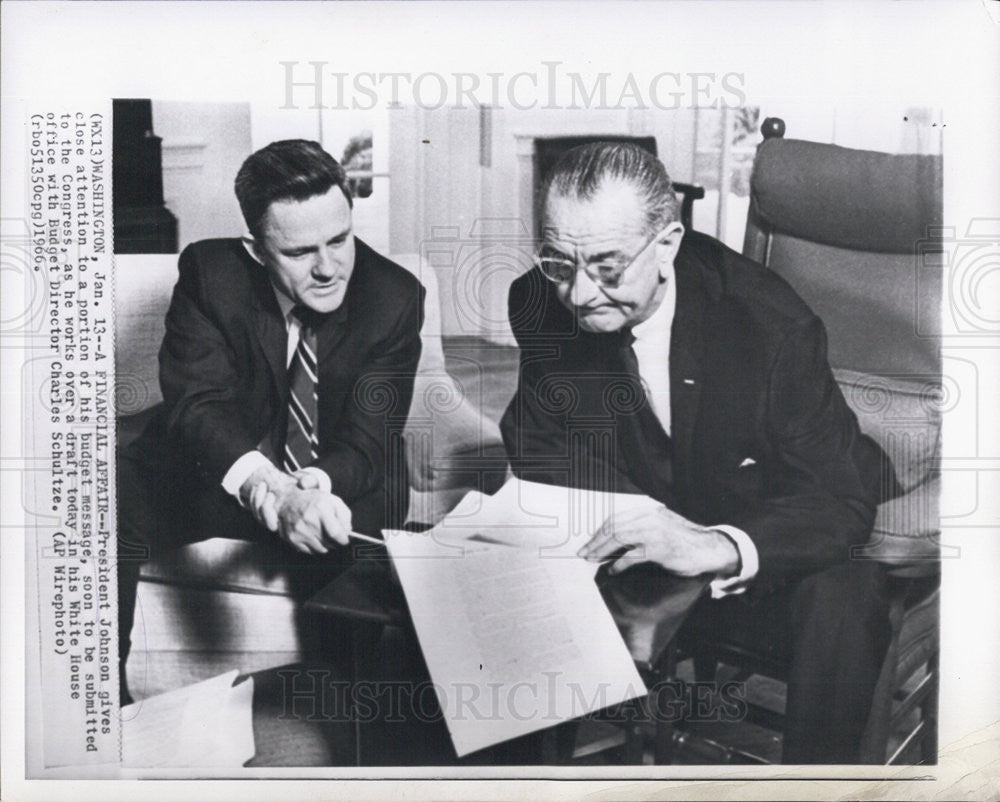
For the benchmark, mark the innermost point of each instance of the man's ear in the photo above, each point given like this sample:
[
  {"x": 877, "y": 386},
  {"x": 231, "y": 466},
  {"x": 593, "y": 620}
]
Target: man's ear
[
  {"x": 254, "y": 247},
  {"x": 667, "y": 244}
]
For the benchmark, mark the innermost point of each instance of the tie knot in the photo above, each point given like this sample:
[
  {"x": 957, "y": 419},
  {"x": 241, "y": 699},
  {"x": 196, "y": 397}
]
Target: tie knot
[{"x": 307, "y": 318}]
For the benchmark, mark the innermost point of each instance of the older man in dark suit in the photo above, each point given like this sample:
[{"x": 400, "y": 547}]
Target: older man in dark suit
[
  {"x": 658, "y": 361},
  {"x": 287, "y": 371}
]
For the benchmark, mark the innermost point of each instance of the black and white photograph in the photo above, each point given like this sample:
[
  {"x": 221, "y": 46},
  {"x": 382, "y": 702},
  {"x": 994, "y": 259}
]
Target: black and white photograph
[{"x": 537, "y": 399}]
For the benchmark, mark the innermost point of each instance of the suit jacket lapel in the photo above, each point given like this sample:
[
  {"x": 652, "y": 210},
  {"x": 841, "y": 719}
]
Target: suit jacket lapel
[
  {"x": 272, "y": 334},
  {"x": 686, "y": 366},
  {"x": 331, "y": 331}
]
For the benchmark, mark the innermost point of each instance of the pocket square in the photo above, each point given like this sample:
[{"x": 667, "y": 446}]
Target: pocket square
[{"x": 748, "y": 462}]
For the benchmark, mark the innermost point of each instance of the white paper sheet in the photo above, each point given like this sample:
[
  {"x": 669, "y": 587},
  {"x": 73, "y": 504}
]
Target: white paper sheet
[
  {"x": 208, "y": 724},
  {"x": 513, "y": 629},
  {"x": 552, "y": 521}
]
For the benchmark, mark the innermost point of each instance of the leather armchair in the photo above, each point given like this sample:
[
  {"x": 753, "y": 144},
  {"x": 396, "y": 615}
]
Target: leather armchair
[{"x": 849, "y": 230}]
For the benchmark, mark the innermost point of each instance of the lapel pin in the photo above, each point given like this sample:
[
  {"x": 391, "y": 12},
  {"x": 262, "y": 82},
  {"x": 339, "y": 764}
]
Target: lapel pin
[{"x": 689, "y": 381}]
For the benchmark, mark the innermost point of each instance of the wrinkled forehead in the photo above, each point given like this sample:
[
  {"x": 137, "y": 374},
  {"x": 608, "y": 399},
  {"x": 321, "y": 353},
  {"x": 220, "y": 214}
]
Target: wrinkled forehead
[{"x": 614, "y": 215}]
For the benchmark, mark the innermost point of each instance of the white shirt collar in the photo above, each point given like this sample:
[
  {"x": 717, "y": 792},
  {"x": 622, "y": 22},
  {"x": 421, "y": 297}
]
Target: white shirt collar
[
  {"x": 285, "y": 304},
  {"x": 657, "y": 326},
  {"x": 652, "y": 353}
]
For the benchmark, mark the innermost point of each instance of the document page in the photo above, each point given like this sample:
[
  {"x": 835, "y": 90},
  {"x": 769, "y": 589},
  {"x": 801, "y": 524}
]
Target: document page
[
  {"x": 208, "y": 724},
  {"x": 551, "y": 521},
  {"x": 513, "y": 629}
]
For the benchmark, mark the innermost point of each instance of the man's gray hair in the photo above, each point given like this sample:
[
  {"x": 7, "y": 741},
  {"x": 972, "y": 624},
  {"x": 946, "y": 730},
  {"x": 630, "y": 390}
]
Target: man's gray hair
[{"x": 582, "y": 171}]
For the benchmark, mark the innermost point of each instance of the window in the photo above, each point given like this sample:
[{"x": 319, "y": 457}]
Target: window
[
  {"x": 725, "y": 143},
  {"x": 360, "y": 142}
]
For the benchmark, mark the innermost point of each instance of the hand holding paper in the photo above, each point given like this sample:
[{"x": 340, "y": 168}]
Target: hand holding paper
[
  {"x": 513, "y": 628},
  {"x": 662, "y": 536}
]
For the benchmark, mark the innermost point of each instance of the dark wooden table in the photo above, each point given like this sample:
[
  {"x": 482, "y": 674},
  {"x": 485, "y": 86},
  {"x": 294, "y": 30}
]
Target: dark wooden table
[{"x": 648, "y": 605}]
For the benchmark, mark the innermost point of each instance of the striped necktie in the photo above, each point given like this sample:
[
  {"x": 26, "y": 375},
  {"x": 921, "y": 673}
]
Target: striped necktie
[{"x": 301, "y": 441}]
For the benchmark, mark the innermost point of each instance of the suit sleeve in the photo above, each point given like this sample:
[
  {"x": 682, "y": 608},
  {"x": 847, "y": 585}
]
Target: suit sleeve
[
  {"x": 534, "y": 436},
  {"x": 824, "y": 484},
  {"x": 366, "y": 450},
  {"x": 198, "y": 376}
]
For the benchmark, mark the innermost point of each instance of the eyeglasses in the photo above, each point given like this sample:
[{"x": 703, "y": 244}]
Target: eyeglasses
[{"x": 559, "y": 269}]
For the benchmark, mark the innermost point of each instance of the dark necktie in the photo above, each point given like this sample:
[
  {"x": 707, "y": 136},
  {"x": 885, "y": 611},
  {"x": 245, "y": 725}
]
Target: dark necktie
[
  {"x": 648, "y": 449},
  {"x": 301, "y": 436}
]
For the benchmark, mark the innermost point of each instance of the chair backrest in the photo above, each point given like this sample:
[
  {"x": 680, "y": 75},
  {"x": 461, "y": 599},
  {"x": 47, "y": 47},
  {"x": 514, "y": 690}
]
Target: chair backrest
[
  {"x": 853, "y": 232},
  {"x": 849, "y": 230},
  {"x": 143, "y": 286}
]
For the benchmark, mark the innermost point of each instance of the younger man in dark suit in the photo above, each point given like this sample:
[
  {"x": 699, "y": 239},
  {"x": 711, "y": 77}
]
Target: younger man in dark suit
[
  {"x": 658, "y": 361},
  {"x": 287, "y": 371}
]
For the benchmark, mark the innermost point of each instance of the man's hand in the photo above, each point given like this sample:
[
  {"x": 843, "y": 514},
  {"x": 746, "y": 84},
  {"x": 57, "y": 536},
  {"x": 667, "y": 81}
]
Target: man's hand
[
  {"x": 259, "y": 494},
  {"x": 311, "y": 520},
  {"x": 307, "y": 480},
  {"x": 263, "y": 505},
  {"x": 662, "y": 536},
  {"x": 307, "y": 518}
]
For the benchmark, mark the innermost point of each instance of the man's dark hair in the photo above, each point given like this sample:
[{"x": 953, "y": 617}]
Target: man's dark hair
[
  {"x": 290, "y": 169},
  {"x": 582, "y": 171}
]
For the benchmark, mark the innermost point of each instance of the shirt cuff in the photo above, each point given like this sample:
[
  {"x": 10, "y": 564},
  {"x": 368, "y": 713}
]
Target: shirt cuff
[
  {"x": 749, "y": 564},
  {"x": 241, "y": 471},
  {"x": 325, "y": 484}
]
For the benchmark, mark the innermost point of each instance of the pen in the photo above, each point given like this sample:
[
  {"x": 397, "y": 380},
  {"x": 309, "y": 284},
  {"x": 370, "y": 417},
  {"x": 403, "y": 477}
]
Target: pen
[{"x": 367, "y": 538}]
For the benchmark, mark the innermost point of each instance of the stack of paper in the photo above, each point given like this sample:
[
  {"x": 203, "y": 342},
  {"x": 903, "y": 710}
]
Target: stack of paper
[
  {"x": 512, "y": 626},
  {"x": 206, "y": 725}
]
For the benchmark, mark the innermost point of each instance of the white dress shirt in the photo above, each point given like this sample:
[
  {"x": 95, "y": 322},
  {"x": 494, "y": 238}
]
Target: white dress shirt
[
  {"x": 244, "y": 467},
  {"x": 652, "y": 352}
]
